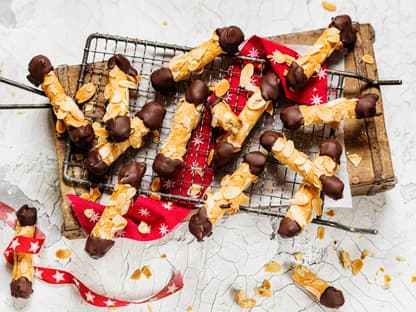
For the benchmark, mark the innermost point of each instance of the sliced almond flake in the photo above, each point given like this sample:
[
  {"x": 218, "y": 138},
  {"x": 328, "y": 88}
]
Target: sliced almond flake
[
  {"x": 272, "y": 267},
  {"x": 356, "y": 266},
  {"x": 298, "y": 256},
  {"x": 149, "y": 307},
  {"x": 147, "y": 271},
  {"x": 225, "y": 180},
  {"x": 232, "y": 192},
  {"x": 256, "y": 104},
  {"x": 127, "y": 84},
  {"x": 364, "y": 254},
  {"x": 329, "y": 6},
  {"x": 87, "y": 212},
  {"x": 217, "y": 196},
  {"x": 330, "y": 212},
  {"x": 355, "y": 159},
  {"x": 189, "y": 309},
  {"x": 317, "y": 206},
  {"x": 136, "y": 275},
  {"x": 222, "y": 88},
  {"x": 278, "y": 145},
  {"x": 260, "y": 291},
  {"x": 299, "y": 160},
  {"x": 251, "y": 87},
  {"x": 387, "y": 280},
  {"x": 156, "y": 136},
  {"x": 104, "y": 151},
  {"x": 60, "y": 126},
  {"x": 244, "y": 301},
  {"x": 320, "y": 232},
  {"x": 49, "y": 79},
  {"x": 400, "y": 258},
  {"x": 246, "y": 74},
  {"x": 144, "y": 228},
  {"x": 367, "y": 59},
  {"x": 85, "y": 93},
  {"x": 108, "y": 91},
  {"x": 413, "y": 279},
  {"x": 299, "y": 199},
  {"x": 345, "y": 259},
  {"x": 314, "y": 49},
  {"x": 324, "y": 113},
  {"x": 163, "y": 256},
  {"x": 288, "y": 149},
  {"x": 155, "y": 186},
  {"x": 63, "y": 254}
]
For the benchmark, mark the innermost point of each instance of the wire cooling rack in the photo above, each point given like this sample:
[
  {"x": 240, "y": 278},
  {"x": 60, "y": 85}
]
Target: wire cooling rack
[{"x": 274, "y": 188}]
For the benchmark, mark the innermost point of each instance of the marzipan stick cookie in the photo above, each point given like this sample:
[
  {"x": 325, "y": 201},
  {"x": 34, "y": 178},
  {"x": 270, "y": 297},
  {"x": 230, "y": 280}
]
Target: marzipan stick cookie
[
  {"x": 285, "y": 151},
  {"x": 186, "y": 118},
  {"x": 121, "y": 78},
  {"x": 260, "y": 101},
  {"x": 307, "y": 197},
  {"x": 180, "y": 67},
  {"x": 101, "y": 237},
  {"x": 327, "y": 295},
  {"x": 294, "y": 117},
  {"x": 69, "y": 116},
  {"x": 339, "y": 34},
  {"x": 228, "y": 198},
  {"x": 104, "y": 154},
  {"x": 22, "y": 275}
]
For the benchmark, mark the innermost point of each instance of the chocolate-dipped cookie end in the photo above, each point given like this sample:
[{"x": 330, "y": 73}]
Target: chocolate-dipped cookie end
[
  {"x": 332, "y": 186},
  {"x": 366, "y": 106},
  {"x": 268, "y": 138},
  {"x": 95, "y": 164},
  {"x": 38, "y": 67},
  {"x": 199, "y": 224},
  {"x": 288, "y": 228},
  {"x": 331, "y": 148},
  {"x": 97, "y": 247},
  {"x": 162, "y": 81},
  {"x": 118, "y": 128},
  {"x": 332, "y": 298},
  {"x": 270, "y": 86},
  {"x": 152, "y": 114},
  {"x": 256, "y": 161},
  {"x": 223, "y": 154},
  {"x": 123, "y": 63},
  {"x": 197, "y": 92},
  {"x": 26, "y": 215},
  {"x": 296, "y": 78},
  {"x": 292, "y": 117},
  {"x": 82, "y": 137},
  {"x": 230, "y": 38},
  {"x": 21, "y": 288},
  {"x": 166, "y": 167},
  {"x": 132, "y": 173},
  {"x": 347, "y": 29}
]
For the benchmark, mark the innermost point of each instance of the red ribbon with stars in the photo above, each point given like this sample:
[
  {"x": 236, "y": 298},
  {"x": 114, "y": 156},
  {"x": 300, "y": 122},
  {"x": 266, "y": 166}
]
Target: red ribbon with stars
[{"x": 60, "y": 277}]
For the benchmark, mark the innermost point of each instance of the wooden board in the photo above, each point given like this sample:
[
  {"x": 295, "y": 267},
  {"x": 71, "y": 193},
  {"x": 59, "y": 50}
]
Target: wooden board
[{"x": 366, "y": 137}]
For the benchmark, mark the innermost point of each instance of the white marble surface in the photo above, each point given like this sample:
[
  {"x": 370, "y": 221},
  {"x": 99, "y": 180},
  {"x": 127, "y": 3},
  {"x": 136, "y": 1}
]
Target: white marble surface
[{"x": 234, "y": 256}]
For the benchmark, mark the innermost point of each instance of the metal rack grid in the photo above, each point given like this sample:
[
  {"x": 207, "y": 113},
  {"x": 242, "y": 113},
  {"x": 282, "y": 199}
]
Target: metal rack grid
[{"x": 274, "y": 188}]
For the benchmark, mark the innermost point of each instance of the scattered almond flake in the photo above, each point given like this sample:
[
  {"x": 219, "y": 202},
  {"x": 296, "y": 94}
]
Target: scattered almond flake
[
  {"x": 222, "y": 88},
  {"x": 345, "y": 259},
  {"x": 413, "y": 279},
  {"x": 381, "y": 269},
  {"x": 329, "y": 6},
  {"x": 364, "y": 254},
  {"x": 210, "y": 157},
  {"x": 244, "y": 301},
  {"x": 144, "y": 228},
  {"x": 155, "y": 187},
  {"x": 136, "y": 275},
  {"x": 387, "y": 280},
  {"x": 285, "y": 72},
  {"x": 147, "y": 271},
  {"x": 400, "y": 258},
  {"x": 85, "y": 93},
  {"x": 246, "y": 74},
  {"x": 95, "y": 193},
  {"x": 298, "y": 256},
  {"x": 63, "y": 254},
  {"x": 163, "y": 256},
  {"x": 356, "y": 266},
  {"x": 260, "y": 291},
  {"x": 194, "y": 190},
  {"x": 155, "y": 196},
  {"x": 165, "y": 23},
  {"x": 149, "y": 308},
  {"x": 20, "y": 113},
  {"x": 87, "y": 212},
  {"x": 330, "y": 212},
  {"x": 189, "y": 309},
  {"x": 13, "y": 94},
  {"x": 367, "y": 59},
  {"x": 355, "y": 159},
  {"x": 272, "y": 267},
  {"x": 320, "y": 232}
]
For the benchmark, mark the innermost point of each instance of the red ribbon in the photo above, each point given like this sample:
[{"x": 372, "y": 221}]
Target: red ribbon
[{"x": 60, "y": 277}]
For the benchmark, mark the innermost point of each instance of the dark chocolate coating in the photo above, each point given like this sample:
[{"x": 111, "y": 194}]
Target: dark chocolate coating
[
  {"x": 331, "y": 148},
  {"x": 81, "y": 137},
  {"x": 197, "y": 92},
  {"x": 132, "y": 173},
  {"x": 162, "y": 81},
  {"x": 332, "y": 298},
  {"x": 97, "y": 247},
  {"x": 289, "y": 228},
  {"x": 152, "y": 114},
  {"x": 21, "y": 288},
  {"x": 118, "y": 128},
  {"x": 256, "y": 162},
  {"x": 166, "y": 167},
  {"x": 366, "y": 106},
  {"x": 224, "y": 153},
  {"x": 348, "y": 31},
  {"x": 39, "y": 66},
  {"x": 95, "y": 164},
  {"x": 26, "y": 215},
  {"x": 268, "y": 138},
  {"x": 291, "y": 117},
  {"x": 230, "y": 38},
  {"x": 270, "y": 86},
  {"x": 199, "y": 224},
  {"x": 296, "y": 78},
  {"x": 332, "y": 186},
  {"x": 123, "y": 63}
]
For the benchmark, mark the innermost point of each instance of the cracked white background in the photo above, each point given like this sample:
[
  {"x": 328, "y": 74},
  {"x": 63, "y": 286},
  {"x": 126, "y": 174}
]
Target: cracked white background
[{"x": 240, "y": 246}]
